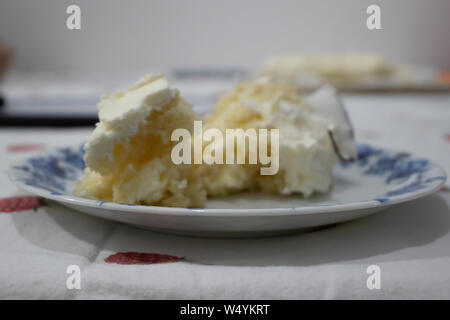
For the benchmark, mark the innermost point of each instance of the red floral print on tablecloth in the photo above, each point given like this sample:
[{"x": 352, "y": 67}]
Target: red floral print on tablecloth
[
  {"x": 23, "y": 147},
  {"x": 141, "y": 258},
  {"x": 13, "y": 204}
]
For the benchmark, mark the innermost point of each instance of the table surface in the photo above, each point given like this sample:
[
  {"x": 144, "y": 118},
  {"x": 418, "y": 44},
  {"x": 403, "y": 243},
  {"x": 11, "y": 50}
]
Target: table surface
[{"x": 409, "y": 242}]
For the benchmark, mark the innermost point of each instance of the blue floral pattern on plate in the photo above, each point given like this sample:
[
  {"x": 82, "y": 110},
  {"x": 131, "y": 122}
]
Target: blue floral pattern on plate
[
  {"x": 400, "y": 172},
  {"x": 52, "y": 172}
]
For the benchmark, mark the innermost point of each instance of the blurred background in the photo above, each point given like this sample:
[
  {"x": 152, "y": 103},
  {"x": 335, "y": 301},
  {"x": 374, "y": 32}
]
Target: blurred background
[
  {"x": 148, "y": 35},
  {"x": 55, "y": 70}
]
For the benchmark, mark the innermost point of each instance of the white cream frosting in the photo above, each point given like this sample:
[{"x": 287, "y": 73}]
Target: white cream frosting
[{"x": 121, "y": 115}]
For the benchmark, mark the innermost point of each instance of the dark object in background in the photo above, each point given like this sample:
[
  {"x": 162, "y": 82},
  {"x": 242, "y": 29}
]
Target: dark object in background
[
  {"x": 58, "y": 121},
  {"x": 30, "y": 113},
  {"x": 47, "y": 113}
]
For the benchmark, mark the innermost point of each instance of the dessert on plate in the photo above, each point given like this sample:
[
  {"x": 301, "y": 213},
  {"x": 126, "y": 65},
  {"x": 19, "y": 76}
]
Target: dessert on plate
[
  {"x": 343, "y": 70},
  {"x": 128, "y": 157}
]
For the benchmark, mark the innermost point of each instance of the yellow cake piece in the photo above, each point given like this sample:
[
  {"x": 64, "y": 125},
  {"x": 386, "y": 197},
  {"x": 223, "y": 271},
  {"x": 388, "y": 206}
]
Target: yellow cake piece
[{"x": 128, "y": 156}]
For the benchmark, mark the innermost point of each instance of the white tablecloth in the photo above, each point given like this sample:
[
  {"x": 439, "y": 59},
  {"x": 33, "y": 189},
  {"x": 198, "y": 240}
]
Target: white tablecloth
[{"x": 409, "y": 242}]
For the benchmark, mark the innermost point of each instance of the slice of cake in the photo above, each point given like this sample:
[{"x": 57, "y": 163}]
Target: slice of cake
[
  {"x": 129, "y": 155},
  {"x": 306, "y": 150}
]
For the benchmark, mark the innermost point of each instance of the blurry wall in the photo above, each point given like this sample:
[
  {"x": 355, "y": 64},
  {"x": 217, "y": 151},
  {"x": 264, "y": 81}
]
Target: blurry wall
[{"x": 162, "y": 34}]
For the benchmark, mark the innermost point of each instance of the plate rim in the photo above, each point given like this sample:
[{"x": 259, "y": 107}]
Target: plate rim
[{"x": 222, "y": 212}]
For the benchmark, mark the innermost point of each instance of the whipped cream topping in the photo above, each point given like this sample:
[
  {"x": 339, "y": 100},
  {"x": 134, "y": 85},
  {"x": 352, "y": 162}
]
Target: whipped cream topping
[{"x": 121, "y": 115}]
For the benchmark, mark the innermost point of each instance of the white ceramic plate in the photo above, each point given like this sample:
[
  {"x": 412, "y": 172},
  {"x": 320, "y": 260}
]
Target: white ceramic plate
[{"x": 381, "y": 178}]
